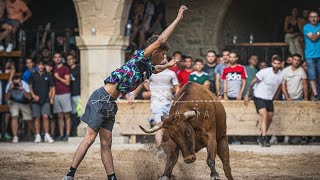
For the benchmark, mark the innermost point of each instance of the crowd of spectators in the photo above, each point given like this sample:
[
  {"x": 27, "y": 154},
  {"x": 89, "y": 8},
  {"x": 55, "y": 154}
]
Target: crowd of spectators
[{"x": 43, "y": 90}]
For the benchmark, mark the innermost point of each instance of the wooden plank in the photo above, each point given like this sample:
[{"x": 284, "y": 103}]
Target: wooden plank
[
  {"x": 6, "y": 76},
  {"x": 290, "y": 118},
  {"x": 4, "y": 108},
  {"x": 11, "y": 54}
]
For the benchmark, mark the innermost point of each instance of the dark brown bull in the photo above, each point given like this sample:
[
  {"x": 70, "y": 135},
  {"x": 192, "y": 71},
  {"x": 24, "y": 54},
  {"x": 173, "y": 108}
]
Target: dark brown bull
[{"x": 196, "y": 120}]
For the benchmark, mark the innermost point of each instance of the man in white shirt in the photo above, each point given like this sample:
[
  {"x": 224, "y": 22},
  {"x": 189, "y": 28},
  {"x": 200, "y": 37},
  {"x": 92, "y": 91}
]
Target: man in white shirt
[
  {"x": 268, "y": 87},
  {"x": 295, "y": 85}
]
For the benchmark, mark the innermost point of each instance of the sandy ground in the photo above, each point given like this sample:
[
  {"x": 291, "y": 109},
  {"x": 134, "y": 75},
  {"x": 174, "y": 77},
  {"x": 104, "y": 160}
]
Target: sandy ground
[{"x": 26, "y": 161}]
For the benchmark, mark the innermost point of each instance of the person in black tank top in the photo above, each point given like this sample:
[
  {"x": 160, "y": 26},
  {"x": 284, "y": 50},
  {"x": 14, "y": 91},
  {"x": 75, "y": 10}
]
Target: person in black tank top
[{"x": 292, "y": 33}]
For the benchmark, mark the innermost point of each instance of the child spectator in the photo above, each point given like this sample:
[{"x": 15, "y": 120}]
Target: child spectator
[
  {"x": 199, "y": 76},
  {"x": 41, "y": 87}
]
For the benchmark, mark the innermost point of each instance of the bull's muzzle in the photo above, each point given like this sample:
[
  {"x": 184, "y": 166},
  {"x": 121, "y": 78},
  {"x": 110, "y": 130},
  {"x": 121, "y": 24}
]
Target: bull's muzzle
[{"x": 190, "y": 159}]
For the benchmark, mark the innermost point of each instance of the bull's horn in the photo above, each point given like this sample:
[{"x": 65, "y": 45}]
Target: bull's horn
[
  {"x": 189, "y": 114},
  {"x": 153, "y": 129}
]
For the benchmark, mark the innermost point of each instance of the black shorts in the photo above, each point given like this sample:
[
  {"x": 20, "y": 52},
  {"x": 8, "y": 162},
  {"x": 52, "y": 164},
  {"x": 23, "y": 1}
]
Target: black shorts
[
  {"x": 100, "y": 110},
  {"x": 262, "y": 103}
]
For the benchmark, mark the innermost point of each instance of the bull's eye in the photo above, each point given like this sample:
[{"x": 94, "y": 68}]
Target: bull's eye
[{"x": 187, "y": 132}]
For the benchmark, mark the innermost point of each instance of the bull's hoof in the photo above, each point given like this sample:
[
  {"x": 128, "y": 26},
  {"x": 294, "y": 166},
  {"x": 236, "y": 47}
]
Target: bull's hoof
[
  {"x": 214, "y": 178},
  {"x": 164, "y": 178}
]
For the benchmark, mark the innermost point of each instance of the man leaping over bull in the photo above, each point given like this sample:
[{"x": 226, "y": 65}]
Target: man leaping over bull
[{"x": 101, "y": 107}]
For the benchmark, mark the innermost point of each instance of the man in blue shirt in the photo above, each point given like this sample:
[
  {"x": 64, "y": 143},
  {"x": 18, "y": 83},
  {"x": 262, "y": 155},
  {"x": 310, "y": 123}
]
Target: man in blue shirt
[
  {"x": 29, "y": 70},
  {"x": 311, "y": 33}
]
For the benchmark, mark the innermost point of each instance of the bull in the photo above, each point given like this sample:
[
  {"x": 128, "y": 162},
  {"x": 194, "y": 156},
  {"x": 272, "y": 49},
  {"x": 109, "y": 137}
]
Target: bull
[{"x": 196, "y": 120}]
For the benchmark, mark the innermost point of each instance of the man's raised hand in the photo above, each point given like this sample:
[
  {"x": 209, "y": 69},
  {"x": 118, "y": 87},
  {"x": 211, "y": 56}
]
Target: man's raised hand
[{"x": 181, "y": 11}]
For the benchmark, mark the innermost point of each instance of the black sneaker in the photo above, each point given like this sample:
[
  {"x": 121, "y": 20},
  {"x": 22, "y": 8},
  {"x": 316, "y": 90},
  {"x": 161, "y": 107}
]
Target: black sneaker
[
  {"x": 265, "y": 142},
  {"x": 58, "y": 138},
  {"x": 65, "y": 138},
  {"x": 315, "y": 98}
]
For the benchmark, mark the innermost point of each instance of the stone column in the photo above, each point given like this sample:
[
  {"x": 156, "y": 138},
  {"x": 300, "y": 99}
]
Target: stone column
[{"x": 100, "y": 55}]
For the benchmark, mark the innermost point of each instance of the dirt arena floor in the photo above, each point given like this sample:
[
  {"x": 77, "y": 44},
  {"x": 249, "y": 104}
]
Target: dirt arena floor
[{"x": 26, "y": 161}]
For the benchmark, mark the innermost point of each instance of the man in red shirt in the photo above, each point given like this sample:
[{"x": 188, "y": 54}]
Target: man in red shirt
[
  {"x": 183, "y": 77},
  {"x": 234, "y": 79},
  {"x": 177, "y": 67},
  {"x": 62, "y": 100}
]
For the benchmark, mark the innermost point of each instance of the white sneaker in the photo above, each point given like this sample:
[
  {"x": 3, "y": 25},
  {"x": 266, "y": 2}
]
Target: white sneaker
[
  {"x": 48, "y": 138},
  {"x": 15, "y": 139},
  {"x": 1, "y": 48},
  {"x": 38, "y": 138},
  {"x": 9, "y": 48}
]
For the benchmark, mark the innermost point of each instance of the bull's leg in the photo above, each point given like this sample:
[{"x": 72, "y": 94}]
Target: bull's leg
[
  {"x": 223, "y": 152},
  {"x": 172, "y": 151},
  {"x": 212, "y": 150}
]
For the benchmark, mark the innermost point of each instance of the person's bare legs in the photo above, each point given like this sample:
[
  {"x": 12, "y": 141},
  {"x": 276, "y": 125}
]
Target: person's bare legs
[
  {"x": 52, "y": 127},
  {"x": 37, "y": 125},
  {"x": 45, "y": 120},
  {"x": 68, "y": 123},
  {"x": 14, "y": 126},
  {"x": 83, "y": 147},
  {"x": 30, "y": 126},
  {"x": 263, "y": 121},
  {"x": 106, "y": 154},
  {"x": 61, "y": 123},
  {"x": 314, "y": 87},
  {"x": 269, "y": 119}
]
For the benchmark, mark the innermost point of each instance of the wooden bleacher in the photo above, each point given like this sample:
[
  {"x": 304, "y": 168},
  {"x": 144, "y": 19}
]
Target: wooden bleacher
[{"x": 291, "y": 118}]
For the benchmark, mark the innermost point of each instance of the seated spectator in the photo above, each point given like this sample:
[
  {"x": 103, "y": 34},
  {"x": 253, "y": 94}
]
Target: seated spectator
[
  {"x": 234, "y": 79},
  {"x": 75, "y": 92},
  {"x": 41, "y": 88},
  {"x": 292, "y": 36},
  {"x": 199, "y": 76},
  {"x": 262, "y": 65},
  {"x": 184, "y": 75},
  {"x": 143, "y": 12},
  {"x": 218, "y": 72},
  {"x": 295, "y": 85},
  {"x": 18, "y": 97},
  {"x": 209, "y": 68},
  {"x": 6, "y": 29},
  {"x": 177, "y": 68},
  {"x": 17, "y": 12},
  {"x": 158, "y": 21},
  {"x": 311, "y": 33},
  {"x": 30, "y": 69},
  {"x": 251, "y": 71}
]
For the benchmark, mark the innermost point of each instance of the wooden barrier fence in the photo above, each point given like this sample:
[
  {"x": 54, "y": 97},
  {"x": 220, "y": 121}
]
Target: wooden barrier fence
[{"x": 299, "y": 118}]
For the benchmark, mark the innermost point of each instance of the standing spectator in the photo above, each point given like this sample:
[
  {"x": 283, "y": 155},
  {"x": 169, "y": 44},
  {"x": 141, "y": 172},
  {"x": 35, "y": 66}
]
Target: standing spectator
[
  {"x": 184, "y": 74},
  {"x": 41, "y": 87},
  {"x": 75, "y": 92},
  {"x": 60, "y": 45},
  {"x": 199, "y": 76},
  {"x": 288, "y": 61},
  {"x": 49, "y": 67},
  {"x": 17, "y": 12},
  {"x": 292, "y": 36},
  {"x": 268, "y": 87},
  {"x": 6, "y": 29},
  {"x": 234, "y": 79},
  {"x": 30, "y": 69},
  {"x": 45, "y": 55},
  {"x": 177, "y": 68},
  {"x": 311, "y": 33},
  {"x": 18, "y": 97},
  {"x": 262, "y": 65},
  {"x": 210, "y": 67},
  {"x": 218, "y": 72},
  {"x": 62, "y": 100},
  {"x": 304, "y": 19},
  {"x": 251, "y": 71},
  {"x": 295, "y": 85}
]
